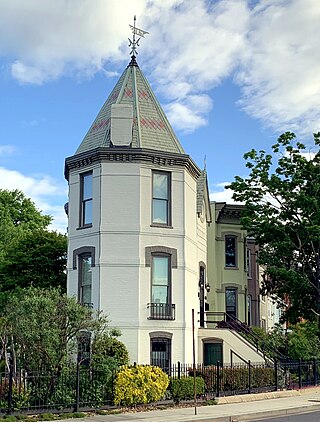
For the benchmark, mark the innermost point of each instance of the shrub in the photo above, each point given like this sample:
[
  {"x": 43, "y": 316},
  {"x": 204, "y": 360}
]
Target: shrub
[
  {"x": 20, "y": 395},
  {"x": 139, "y": 385},
  {"x": 183, "y": 388}
]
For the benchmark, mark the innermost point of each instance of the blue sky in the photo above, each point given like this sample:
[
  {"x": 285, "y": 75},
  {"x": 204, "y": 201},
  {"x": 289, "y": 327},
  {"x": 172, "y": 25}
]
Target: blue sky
[{"x": 230, "y": 74}]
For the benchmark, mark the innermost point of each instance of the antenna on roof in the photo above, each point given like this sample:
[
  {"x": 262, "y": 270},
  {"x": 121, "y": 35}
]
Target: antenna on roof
[{"x": 135, "y": 43}]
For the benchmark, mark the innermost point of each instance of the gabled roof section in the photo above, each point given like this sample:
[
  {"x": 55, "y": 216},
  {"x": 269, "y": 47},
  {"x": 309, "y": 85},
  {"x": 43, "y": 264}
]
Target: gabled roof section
[
  {"x": 151, "y": 128},
  {"x": 203, "y": 196}
]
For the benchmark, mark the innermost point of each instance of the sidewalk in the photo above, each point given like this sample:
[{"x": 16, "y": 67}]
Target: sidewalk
[{"x": 230, "y": 409}]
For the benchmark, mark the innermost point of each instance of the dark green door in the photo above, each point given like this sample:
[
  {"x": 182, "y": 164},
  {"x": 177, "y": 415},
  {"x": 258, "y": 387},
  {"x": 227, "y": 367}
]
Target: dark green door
[{"x": 212, "y": 353}]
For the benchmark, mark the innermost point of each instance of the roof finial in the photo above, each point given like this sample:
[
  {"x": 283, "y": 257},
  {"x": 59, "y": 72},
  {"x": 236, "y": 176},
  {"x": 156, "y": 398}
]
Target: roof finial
[
  {"x": 205, "y": 163},
  {"x": 135, "y": 43}
]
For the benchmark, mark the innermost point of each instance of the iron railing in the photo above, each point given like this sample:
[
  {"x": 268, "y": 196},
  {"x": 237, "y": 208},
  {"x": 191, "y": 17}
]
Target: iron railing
[
  {"x": 223, "y": 320},
  {"x": 162, "y": 311},
  {"x": 78, "y": 387}
]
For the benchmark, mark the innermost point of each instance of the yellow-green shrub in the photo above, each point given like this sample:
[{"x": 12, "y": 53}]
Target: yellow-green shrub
[{"x": 139, "y": 385}]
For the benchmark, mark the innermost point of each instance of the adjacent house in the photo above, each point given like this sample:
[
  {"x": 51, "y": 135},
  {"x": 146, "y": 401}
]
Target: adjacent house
[{"x": 144, "y": 243}]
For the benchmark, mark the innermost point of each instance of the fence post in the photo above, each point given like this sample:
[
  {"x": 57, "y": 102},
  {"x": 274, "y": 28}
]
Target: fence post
[
  {"x": 300, "y": 374},
  {"x": 179, "y": 370},
  {"x": 218, "y": 378},
  {"x": 10, "y": 387},
  {"x": 249, "y": 375},
  {"x": 315, "y": 375},
  {"x": 276, "y": 374},
  {"x": 76, "y": 409}
]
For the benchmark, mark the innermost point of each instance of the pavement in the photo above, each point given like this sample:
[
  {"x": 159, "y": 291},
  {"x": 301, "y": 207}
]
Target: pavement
[{"x": 249, "y": 407}]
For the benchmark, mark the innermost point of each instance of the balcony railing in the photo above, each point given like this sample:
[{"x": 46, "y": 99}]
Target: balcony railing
[
  {"x": 87, "y": 305},
  {"x": 162, "y": 311}
]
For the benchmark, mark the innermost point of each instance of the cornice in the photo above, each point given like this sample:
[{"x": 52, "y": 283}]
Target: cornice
[{"x": 129, "y": 155}]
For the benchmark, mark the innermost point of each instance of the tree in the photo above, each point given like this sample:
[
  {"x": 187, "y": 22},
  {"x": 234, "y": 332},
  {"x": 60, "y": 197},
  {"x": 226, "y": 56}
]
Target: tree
[
  {"x": 30, "y": 254},
  {"x": 41, "y": 328},
  {"x": 36, "y": 258},
  {"x": 282, "y": 198}
]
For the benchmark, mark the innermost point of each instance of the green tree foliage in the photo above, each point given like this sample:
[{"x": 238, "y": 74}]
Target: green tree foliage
[
  {"x": 303, "y": 341},
  {"x": 40, "y": 328},
  {"x": 30, "y": 254},
  {"x": 300, "y": 341},
  {"x": 37, "y": 258},
  {"x": 282, "y": 197},
  {"x": 18, "y": 211}
]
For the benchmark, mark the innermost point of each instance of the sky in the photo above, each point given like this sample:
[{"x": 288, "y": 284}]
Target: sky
[{"x": 231, "y": 75}]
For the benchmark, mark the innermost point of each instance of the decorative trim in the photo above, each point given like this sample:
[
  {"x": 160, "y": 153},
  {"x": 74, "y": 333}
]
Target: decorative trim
[
  {"x": 225, "y": 286},
  {"x": 160, "y": 334},
  {"x": 125, "y": 154},
  {"x": 84, "y": 250},
  {"x": 150, "y": 250}
]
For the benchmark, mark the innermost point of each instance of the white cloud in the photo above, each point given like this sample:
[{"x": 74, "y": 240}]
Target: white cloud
[
  {"x": 187, "y": 114},
  {"x": 270, "y": 47},
  {"x": 47, "y": 39},
  {"x": 6, "y": 149},
  {"x": 219, "y": 193},
  {"x": 42, "y": 190},
  {"x": 280, "y": 71}
]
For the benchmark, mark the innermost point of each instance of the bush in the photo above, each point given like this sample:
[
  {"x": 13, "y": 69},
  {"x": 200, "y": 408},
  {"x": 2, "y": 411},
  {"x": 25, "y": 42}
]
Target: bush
[
  {"x": 183, "y": 388},
  {"x": 139, "y": 385},
  {"x": 236, "y": 378}
]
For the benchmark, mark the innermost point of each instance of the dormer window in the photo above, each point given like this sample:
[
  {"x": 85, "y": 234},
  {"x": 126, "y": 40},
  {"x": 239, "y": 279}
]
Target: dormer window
[{"x": 161, "y": 198}]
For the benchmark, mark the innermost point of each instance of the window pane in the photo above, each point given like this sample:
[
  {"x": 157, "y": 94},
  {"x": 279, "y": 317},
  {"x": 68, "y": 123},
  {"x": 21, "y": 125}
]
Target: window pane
[
  {"x": 160, "y": 186},
  {"x": 160, "y": 211},
  {"x": 230, "y": 251},
  {"x": 86, "y": 279},
  {"x": 87, "y": 212},
  {"x": 86, "y": 294},
  {"x": 159, "y": 294},
  {"x": 87, "y": 186},
  {"x": 230, "y": 297},
  {"x": 160, "y": 270}
]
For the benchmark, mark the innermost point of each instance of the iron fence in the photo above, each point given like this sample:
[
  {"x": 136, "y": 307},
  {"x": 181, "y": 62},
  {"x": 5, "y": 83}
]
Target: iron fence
[
  {"x": 71, "y": 389},
  {"x": 80, "y": 387}
]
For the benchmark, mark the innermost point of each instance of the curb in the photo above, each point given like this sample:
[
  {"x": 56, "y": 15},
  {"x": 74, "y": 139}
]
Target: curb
[{"x": 243, "y": 398}]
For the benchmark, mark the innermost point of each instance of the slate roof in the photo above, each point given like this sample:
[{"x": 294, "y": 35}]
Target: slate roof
[
  {"x": 203, "y": 195},
  {"x": 151, "y": 128}
]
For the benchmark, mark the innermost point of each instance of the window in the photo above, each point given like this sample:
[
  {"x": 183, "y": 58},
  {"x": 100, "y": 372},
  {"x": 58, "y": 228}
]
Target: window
[
  {"x": 249, "y": 263},
  {"x": 161, "y": 307},
  {"x": 86, "y": 200},
  {"x": 85, "y": 280},
  {"x": 231, "y": 303},
  {"x": 161, "y": 353},
  {"x": 161, "y": 198},
  {"x": 230, "y": 251}
]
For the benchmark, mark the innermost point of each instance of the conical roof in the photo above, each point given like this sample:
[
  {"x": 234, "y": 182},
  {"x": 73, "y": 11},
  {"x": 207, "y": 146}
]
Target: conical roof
[{"x": 151, "y": 128}]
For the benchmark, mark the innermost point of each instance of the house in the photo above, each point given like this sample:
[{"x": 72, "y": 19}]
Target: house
[{"x": 141, "y": 245}]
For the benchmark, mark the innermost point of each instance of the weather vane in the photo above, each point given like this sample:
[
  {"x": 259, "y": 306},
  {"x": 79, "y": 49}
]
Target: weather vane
[{"x": 135, "y": 43}]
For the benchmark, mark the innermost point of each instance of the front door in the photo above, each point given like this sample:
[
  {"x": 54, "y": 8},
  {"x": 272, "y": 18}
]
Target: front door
[
  {"x": 231, "y": 303},
  {"x": 212, "y": 354}
]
